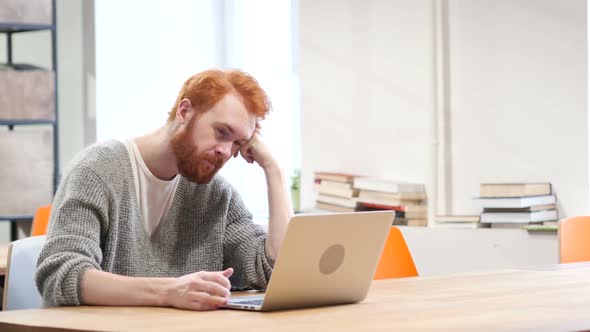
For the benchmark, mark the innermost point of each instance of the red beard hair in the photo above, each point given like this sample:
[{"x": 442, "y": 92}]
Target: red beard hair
[{"x": 192, "y": 165}]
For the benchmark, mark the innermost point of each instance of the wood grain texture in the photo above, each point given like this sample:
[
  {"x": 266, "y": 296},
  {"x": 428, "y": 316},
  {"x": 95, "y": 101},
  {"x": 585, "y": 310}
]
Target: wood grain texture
[
  {"x": 512, "y": 300},
  {"x": 26, "y": 169},
  {"x": 27, "y": 95},
  {"x": 29, "y": 11}
]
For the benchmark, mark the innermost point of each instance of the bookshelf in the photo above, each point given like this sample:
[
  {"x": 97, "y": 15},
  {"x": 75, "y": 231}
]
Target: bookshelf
[{"x": 29, "y": 115}]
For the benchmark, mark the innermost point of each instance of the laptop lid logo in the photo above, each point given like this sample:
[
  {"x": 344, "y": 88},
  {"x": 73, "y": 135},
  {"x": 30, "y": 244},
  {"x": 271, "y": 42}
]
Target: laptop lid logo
[{"x": 332, "y": 259}]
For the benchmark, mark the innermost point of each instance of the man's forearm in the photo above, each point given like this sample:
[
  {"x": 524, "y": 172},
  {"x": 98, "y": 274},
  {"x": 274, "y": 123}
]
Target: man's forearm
[
  {"x": 280, "y": 210},
  {"x": 104, "y": 288}
]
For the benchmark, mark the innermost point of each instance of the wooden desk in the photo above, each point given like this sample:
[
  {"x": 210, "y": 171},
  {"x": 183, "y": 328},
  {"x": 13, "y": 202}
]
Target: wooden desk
[
  {"x": 3, "y": 258},
  {"x": 497, "y": 301}
]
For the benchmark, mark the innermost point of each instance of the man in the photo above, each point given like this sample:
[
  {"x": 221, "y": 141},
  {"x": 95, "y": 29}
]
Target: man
[{"x": 147, "y": 222}]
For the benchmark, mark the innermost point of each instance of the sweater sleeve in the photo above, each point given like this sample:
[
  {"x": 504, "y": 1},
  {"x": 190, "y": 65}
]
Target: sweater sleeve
[
  {"x": 244, "y": 248},
  {"x": 79, "y": 214}
]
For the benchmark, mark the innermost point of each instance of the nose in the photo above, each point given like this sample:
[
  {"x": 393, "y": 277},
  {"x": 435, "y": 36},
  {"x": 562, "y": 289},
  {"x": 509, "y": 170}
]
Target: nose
[{"x": 224, "y": 150}]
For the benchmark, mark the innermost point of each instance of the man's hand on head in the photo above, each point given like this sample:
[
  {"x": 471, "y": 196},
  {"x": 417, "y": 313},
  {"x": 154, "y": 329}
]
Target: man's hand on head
[
  {"x": 200, "y": 291},
  {"x": 257, "y": 151}
]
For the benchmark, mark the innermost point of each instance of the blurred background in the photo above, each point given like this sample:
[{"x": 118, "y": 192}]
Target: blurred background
[{"x": 445, "y": 93}]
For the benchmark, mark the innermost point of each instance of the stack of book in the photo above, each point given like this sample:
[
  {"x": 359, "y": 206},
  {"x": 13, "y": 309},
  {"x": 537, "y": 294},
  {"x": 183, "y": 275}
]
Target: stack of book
[
  {"x": 407, "y": 199},
  {"x": 459, "y": 221},
  {"x": 335, "y": 191},
  {"x": 518, "y": 205}
]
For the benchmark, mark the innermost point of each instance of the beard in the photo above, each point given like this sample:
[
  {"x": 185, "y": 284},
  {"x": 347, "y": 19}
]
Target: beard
[{"x": 197, "y": 168}]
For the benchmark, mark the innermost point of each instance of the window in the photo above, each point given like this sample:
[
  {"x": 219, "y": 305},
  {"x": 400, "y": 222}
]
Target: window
[
  {"x": 261, "y": 39},
  {"x": 145, "y": 50}
]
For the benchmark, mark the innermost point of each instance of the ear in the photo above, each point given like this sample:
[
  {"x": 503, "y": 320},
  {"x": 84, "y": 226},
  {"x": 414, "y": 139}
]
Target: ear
[{"x": 183, "y": 113}]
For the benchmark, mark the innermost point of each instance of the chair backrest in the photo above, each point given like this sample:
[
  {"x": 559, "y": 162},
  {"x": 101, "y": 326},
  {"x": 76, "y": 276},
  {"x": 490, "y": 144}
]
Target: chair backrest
[
  {"x": 41, "y": 221},
  {"x": 20, "y": 290},
  {"x": 574, "y": 239},
  {"x": 396, "y": 260}
]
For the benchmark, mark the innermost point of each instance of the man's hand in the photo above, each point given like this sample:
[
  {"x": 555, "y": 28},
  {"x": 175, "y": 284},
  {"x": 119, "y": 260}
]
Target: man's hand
[
  {"x": 279, "y": 203},
  {"x": 257, "y": 151},
  {"x": 200, "y": 291}
]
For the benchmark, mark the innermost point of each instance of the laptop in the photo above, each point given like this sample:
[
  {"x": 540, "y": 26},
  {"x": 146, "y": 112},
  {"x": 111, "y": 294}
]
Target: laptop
[{"x": 325, "y": 259}]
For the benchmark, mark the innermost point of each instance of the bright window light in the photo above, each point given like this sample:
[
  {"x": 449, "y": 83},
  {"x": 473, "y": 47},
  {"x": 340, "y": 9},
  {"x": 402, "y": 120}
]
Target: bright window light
[{"x": 146, "y": 49}]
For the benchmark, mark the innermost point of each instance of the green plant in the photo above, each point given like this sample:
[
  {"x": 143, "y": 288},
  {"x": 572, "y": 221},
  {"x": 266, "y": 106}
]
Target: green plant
[{"x": 295, "y": 189}]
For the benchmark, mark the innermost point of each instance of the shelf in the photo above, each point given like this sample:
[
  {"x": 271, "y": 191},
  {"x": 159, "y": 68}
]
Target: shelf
[
  {"x": 20, "y": 27},
  {"x": 26, "y": 122},
  {"x": 16, "y": 218},
  {"x": 32, "y": 107}
]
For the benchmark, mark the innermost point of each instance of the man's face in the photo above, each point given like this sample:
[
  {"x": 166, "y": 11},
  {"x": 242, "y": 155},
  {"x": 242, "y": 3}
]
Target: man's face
[{"x": 211, "y": 137}]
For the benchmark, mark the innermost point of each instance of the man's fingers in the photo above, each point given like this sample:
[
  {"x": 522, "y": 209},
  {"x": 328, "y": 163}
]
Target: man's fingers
[
  {"x": 206, "y": 298},
  {"x": 246, "y": 153},
  {"x": 218, "y": 278},
  {"x": 214, "y": 288},
  {"x": 227, "y": 272}
]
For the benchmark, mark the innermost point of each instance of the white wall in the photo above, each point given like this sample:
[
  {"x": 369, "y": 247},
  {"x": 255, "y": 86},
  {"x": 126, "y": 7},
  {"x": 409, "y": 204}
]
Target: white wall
[
  {"x": 517, "y": 97},
  {"x": 365, "y": 89},
  {"x": 517, "y": 82},
  {"x": 258, "y": 39}
]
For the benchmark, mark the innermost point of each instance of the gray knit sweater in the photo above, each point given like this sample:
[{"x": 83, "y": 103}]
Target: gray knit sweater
[{"x": 96, "y": 224}]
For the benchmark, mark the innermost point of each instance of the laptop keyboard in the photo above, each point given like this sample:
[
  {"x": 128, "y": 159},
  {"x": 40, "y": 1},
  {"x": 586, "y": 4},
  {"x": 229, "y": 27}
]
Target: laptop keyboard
[{"x": 250, "y": 302}]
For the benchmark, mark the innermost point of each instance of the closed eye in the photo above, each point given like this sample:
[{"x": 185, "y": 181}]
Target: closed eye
[{"x": 223, "y": 133}]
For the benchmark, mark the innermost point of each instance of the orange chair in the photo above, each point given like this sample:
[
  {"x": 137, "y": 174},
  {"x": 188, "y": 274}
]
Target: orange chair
[
  {"x": 574, "y": 239},
  {"x": 396, "y": 260},
  {"x": 41, "y": 221}
]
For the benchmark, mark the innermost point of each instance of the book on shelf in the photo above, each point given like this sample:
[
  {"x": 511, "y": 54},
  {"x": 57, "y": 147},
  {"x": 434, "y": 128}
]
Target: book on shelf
[
  {"x": 518, "y": 217},
  {"x": 383, "y": 198},
  {"x": 335, "y": 176},
  {"x": 457, "y": 218},
  {"x": 334, "y": 200},
  {"x": 514, "y": 189},
  {"x": 417, "y": 222},
  {"x": 387, "y": 185},
  {"x": 508, "y": 225},
  {"x": 412, "y": 214},
  {"x": 524, "y": 209},
  {"x": 332, "y": 207},
  {"x": 461, "y": 225},
  {"x": 409, "y": 208},
  {"x": 335, "y": 191},
  {"x": 516, "y": 202},
  {"x": 399, "y": 213},
  {"x": 531, "y": 227},
  {"x": 335, "y": 184},
  {"x": 540, "y": 228},
  {"x": 404, "y": 211},
  {"x": 397, "y": 221}
]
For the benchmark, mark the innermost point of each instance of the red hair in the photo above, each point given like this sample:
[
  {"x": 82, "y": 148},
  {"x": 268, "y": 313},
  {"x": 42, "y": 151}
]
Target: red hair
[{"x": 207, "y": 88}]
